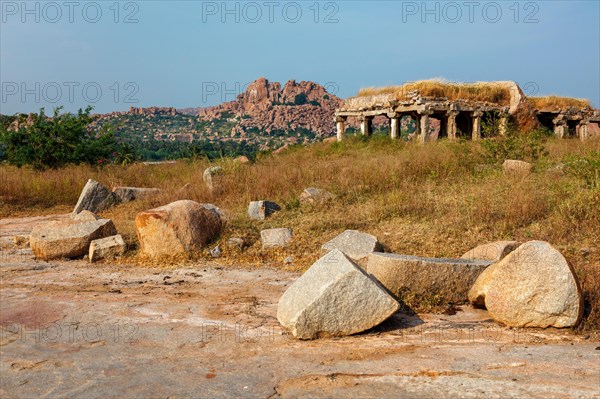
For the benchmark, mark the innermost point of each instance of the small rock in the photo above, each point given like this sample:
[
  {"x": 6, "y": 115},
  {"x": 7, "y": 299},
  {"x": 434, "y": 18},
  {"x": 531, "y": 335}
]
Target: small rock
[
  {"x": 493, "y": 251},
  {"x": 517, "y": 168},
  {"x": 288, "y": 260},
  {"x": 533, "y": 286},
  {"x": 177, "y": 228},
  {"x": 315, "y": 196},
  {"x": 273, "y": 238},
  {"x": 330, "y": 140},
  {"x": 68, "y": 239},
  {"x": 236, "y": 242},
  {"x": 84, "y": 216},
  {"x": 446, "y": 280},
  {"x": 21, "y": 241},
  {"x": 334, "y": 298},
  {"x": 354, "y": 244},
  {"x": 260, "y": 210},
  {"x": 281, "y": 149},
  {"x": 215, "y": 252},
  {"x": 126, "y": 194},
  {"x": 107, "y": 248},
  {"x": 95, "y": 198},
  {"x": 242, "y": 159}
]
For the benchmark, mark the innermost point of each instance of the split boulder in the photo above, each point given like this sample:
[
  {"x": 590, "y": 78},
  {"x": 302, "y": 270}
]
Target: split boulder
[
  {"x": 533, "y": 286},
  {"x": 334, "y": 297},
  {"x": 177, "y": 228},
  {"x": 260, "y": 210},
  {"x": 416, "y": 278},
  {"x": 355, "y": 244},
  {"x": 68, "y": 239},
  {"x": 84, "y": 216},
  {"x": 107, "y": 248},
  {"x": 95, "y": 198},
  {"x": 493, "y": 251}
]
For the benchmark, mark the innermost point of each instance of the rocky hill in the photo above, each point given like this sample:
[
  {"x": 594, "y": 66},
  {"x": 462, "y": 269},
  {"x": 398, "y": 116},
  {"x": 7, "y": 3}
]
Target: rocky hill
[
  {"x": 267, "y": 107},
  {"x": 265, "y": 116}
]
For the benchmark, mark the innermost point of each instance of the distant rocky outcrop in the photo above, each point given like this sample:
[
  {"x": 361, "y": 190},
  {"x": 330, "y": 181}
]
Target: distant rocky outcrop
[{"x": 268, "y": 107}]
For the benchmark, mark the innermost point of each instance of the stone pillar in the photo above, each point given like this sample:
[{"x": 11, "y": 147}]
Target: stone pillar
[
  {"x": 365, "y": 125},
  {"x": 503, "y": 124},
  {"x": 583, "y": 129},
  {"x": 451, "y": 124},
  {"x": 394, "y": 125},
  {"x": 422, "y": 125},
  {"x": 476, "y": 131},
  {"x": 561, "y": 129},
  {"x": 340, "y": 123}
]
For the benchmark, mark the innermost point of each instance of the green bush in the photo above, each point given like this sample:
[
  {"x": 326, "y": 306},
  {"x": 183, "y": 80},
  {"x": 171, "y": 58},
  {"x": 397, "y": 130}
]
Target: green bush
[
  {"x": 514, "y": 145},
  {"x": 586, "y": 167},
  {"x": 52, "y": 142}
]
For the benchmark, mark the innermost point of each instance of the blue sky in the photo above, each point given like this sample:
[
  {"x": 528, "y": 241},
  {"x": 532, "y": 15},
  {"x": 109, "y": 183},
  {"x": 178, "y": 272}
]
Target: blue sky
[{"x": 114, "y": 55}]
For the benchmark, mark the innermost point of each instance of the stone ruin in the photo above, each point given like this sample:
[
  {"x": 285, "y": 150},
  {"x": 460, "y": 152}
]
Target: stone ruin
[{"x": 464, "y": 118}]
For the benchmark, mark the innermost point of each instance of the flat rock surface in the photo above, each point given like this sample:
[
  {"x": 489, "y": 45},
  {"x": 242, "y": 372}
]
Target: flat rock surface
[{"x": 208, "y": 331}]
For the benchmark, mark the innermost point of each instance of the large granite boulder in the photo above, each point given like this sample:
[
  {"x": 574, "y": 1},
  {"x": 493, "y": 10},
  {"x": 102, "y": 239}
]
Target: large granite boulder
[
  {"x": 95, "y": 198},
  {"x": 334, "y": 297},
  {"x": 126, "y": 194},
  {"x": 260, "y": 210},
  {"x": 274, "y": 238},
  {"x": 68, "y": 239},
  {"x": 533, "y": 286},
  {"x": 493, "y": 251},
  {"x": 177, "y": 228},
  {"x": 107, "y": 248},
  {"x": 414, "y": 278},
  {"x": 355, "y": 244}
]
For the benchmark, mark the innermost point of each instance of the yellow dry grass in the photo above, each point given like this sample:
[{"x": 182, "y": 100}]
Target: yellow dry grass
[
  {"x": 556, "y": 102},
  {"x": 436, "y": 200},
  {"x": 480, "y": 91}
]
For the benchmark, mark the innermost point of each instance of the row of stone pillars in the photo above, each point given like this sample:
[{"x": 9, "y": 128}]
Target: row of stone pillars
[
  {"x": 422, "y": 124},
  {"x": 561, "y": 127}
]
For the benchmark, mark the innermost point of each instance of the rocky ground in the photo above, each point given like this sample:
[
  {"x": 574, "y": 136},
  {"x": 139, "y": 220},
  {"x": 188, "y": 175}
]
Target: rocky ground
[{"x": 74, "y": 329}]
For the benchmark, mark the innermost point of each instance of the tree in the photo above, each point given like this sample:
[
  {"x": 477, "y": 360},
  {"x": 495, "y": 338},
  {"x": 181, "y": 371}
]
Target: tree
[{"x": 52, "y": 142}]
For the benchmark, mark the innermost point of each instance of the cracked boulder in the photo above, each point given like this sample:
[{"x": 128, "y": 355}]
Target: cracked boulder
[
  {"x": 334, "y": 297},
  {"x": 68, "y": 239},
  {"x": 533, "y": 286}
]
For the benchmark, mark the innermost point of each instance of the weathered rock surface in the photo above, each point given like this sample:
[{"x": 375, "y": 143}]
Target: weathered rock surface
[
  {"x": 515, "y": 167},
  {"x": 533, "y": 286},
  {"x": 107, "y": 248},
  {"x": 315, "y": 196},
  {"x": 177, "y": 228},
  {"x": 126, "y": 194},
  {"x": 213, "y": 179},
  {"x": 273, "y": 238},
  {"x": 95, "y": 198},
  {"x": 493, "y": 251},
  {"x": 355, "y": 244},
  {"x": 84, "y": 216},
  {"x": 441, "y": 279},
  {"x": 334, "y": 298},
  {"x": 70, "y": 239},
  {"x": 260, "y": 210}
]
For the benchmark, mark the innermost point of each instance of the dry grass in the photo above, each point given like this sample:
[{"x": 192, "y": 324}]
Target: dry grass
[
  {"x": 435, "y": 200},
  {"x": 481, "y": 91},
  {"x": 555, "y": 102}
]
